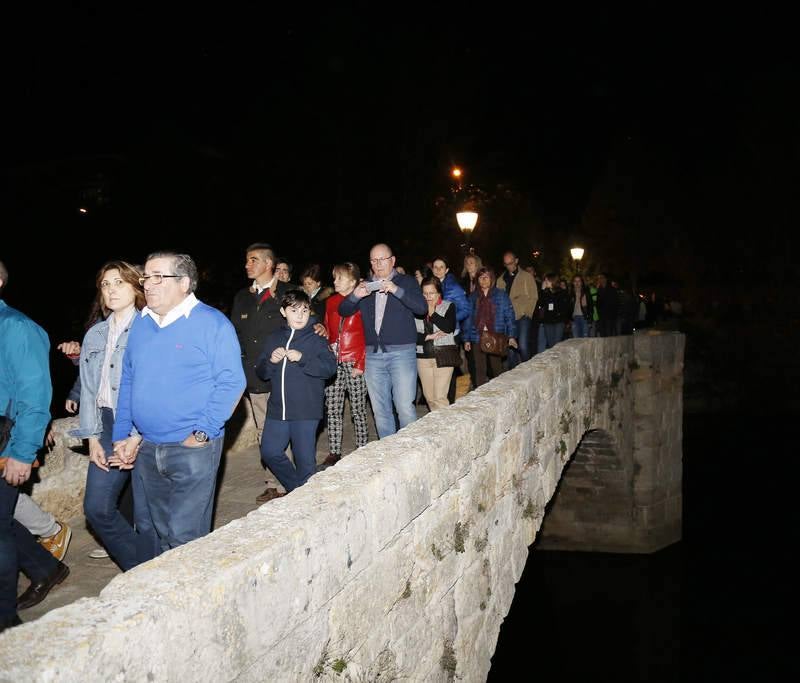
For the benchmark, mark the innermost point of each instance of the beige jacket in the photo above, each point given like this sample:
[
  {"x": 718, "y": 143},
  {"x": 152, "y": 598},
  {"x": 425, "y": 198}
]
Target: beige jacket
[{"x": 523, "y": 295}]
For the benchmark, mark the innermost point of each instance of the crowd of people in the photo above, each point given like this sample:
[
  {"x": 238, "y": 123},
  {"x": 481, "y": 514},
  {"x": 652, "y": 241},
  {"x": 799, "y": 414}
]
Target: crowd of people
[{"x": 161, "y": 372}]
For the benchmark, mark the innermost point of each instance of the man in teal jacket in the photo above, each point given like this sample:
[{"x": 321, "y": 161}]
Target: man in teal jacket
[{"x": 25, "y": 393}]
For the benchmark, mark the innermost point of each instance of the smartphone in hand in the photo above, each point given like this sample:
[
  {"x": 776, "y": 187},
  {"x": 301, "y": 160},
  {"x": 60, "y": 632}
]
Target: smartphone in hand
[{"x": 373, "y": 285}]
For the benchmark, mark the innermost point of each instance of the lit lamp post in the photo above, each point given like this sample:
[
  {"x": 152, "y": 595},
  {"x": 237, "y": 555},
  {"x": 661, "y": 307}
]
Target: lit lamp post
[
  {"x": 467, "y": 221},
  {"x": 457, "y": 175},
  {"x": 577, "y": 255}
]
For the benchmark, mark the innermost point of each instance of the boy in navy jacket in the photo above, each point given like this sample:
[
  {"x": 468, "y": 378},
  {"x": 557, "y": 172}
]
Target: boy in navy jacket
[{"x": 297, "y": 361}]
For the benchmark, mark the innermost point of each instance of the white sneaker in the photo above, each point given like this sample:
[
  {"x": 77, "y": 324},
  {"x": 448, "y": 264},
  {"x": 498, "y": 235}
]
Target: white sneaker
[{"x": 99, "y": 554}]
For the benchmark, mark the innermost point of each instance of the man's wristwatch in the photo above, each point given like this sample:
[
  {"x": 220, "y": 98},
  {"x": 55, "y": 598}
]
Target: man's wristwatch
[{"x": 200, "y": 437}]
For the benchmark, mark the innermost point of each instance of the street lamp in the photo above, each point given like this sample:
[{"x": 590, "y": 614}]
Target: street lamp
[
  {"x": 466, "y": 222},
  {"x": 457, "y": 175},
  {"x": 577, "y": 255}
]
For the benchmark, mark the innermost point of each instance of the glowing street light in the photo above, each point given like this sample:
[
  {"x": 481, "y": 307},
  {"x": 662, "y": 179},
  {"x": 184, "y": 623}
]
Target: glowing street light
[
  {"x": 457, "y": 175},
  {"x": 467, "y": 220},
  {"x": 83, "y": 210},
  {"x": 577, "y": 255}
]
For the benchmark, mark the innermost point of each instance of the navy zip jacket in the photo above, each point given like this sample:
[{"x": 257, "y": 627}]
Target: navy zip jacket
[
  {"x": 298, "y": 388},
  {"x": 399, "y": 327}
]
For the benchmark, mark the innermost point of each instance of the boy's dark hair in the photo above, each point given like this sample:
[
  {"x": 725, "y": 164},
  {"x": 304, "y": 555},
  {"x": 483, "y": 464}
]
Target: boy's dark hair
[{"x": 295, "y": 297}]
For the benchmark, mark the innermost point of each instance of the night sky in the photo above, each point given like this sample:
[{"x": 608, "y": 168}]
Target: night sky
[{"x": 662, "y": 140}]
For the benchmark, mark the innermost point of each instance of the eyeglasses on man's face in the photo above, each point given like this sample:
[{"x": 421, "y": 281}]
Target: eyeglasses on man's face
[
  {"x": 378, "y": 261},
  {"x": 155, "y": 278}
]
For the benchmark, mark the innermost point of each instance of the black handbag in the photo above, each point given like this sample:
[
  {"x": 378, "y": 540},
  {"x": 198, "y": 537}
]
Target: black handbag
[{"x": 447, "y": 356}]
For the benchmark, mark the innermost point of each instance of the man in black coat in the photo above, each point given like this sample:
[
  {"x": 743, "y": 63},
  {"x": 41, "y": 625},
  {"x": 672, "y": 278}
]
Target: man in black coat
[{"x": 256, "y": 313}]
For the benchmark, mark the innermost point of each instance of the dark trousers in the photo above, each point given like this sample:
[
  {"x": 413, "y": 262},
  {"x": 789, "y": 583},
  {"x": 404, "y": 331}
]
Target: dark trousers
[
  {"x": 276, "y": 437},
  {"x": 18, "y": 550},
  {"x": 485, "y": 365}
]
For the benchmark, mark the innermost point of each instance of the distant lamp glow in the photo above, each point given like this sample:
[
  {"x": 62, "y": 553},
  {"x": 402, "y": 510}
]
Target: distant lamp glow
[
  {"x": 456, "y": 172},
  {"x": 577, "y": 253},
  {"x": 467, "y": 221},
  {"x": 83, "y": 210}
]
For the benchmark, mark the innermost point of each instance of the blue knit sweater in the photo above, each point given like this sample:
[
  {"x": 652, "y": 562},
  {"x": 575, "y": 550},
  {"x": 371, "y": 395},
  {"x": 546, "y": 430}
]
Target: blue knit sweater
[{"x": 184, "y": 377}]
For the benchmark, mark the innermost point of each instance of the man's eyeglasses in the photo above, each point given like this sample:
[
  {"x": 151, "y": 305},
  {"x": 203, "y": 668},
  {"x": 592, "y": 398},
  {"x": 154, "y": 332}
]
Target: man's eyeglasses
[
  {"x": 155, "y": 278},
  {"x": 380, "y": 260}
]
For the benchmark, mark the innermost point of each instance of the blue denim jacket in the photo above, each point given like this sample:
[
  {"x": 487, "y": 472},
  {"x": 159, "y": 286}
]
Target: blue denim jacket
[{"x": 93, "y": 353}]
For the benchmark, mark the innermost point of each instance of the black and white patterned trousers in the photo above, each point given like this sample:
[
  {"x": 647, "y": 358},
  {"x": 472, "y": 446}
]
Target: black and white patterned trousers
[{"x": 334, "y": 400}]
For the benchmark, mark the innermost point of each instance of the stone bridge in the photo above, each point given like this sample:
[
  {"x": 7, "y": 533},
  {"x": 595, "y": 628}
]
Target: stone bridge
[{"x": 401, "y": 561}]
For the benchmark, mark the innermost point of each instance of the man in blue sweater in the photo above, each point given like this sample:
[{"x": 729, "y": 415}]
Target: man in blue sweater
[
  {"x": 181, "y": 380},
  {"x": 25, "y": 393},
  {"x": 388, "y": 304}
]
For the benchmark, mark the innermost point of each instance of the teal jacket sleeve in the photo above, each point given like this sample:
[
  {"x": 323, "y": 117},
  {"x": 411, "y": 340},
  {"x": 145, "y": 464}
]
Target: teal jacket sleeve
[{"x": 26, "y": 352}]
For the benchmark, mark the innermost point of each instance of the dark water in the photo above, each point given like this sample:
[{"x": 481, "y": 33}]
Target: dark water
[{"x": 710, "y": 606}]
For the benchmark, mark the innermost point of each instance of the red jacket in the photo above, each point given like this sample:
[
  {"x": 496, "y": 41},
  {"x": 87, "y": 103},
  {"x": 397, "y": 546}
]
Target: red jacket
[{"x": 352, "y": 346}]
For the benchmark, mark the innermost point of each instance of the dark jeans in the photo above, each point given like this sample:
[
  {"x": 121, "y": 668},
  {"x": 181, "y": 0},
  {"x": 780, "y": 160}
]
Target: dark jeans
[
  {"x": 100, "y": 506},
  {"x": 549, "y": 335},
  {"x": 18, "y": 550},
  {"x": 523, "y": 353},
  {"x": 174, "y": 490},
  {"x": 276, "y": 437}
]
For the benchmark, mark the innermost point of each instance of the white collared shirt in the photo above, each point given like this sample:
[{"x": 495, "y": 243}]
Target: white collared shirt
[
  {"x": 182, "y": 309},
  {"x": 260, "y": 288}
]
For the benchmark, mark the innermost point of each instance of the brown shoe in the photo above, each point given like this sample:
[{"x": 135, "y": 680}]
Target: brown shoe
[
  {"x": 269, "y": 494},
  {"x": 332, "y": 459}
]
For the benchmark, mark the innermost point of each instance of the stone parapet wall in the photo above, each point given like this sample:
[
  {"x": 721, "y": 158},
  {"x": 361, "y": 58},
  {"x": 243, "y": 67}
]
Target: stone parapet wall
[{"x": 398, "y": 563}]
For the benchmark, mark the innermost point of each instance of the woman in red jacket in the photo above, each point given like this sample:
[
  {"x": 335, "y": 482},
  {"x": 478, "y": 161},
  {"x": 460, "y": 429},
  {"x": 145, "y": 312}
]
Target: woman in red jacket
[{"x": 346, "y": 337}]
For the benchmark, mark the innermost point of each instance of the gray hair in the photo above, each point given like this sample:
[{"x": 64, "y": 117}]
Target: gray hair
[
  {"x": 183, "y": 263},
  {"x": 3, "y": 275}
]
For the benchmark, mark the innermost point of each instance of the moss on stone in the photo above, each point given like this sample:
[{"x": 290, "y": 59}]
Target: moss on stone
[
  {"x": 566, "y": 421},
  {"x": 481, "y": 543},
  {"x": 483, "y": 606},
  {"x": 339, "y": 665},
  {"x": 448, "y": 660},
  {"x": 460, "y": 534},
  {"x": 407, "y": 592},
  {"x": 436, "y": 552},
  {"x": 530, "y": 510}
]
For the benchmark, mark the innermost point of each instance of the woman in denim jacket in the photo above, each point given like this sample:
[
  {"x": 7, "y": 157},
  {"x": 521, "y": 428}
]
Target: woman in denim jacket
[{"x": 120, "y": 297}]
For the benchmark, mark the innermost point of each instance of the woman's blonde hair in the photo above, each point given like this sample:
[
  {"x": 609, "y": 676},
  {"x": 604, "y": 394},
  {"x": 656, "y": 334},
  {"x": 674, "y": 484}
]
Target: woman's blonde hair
[{"x": 478, "y": 264}]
